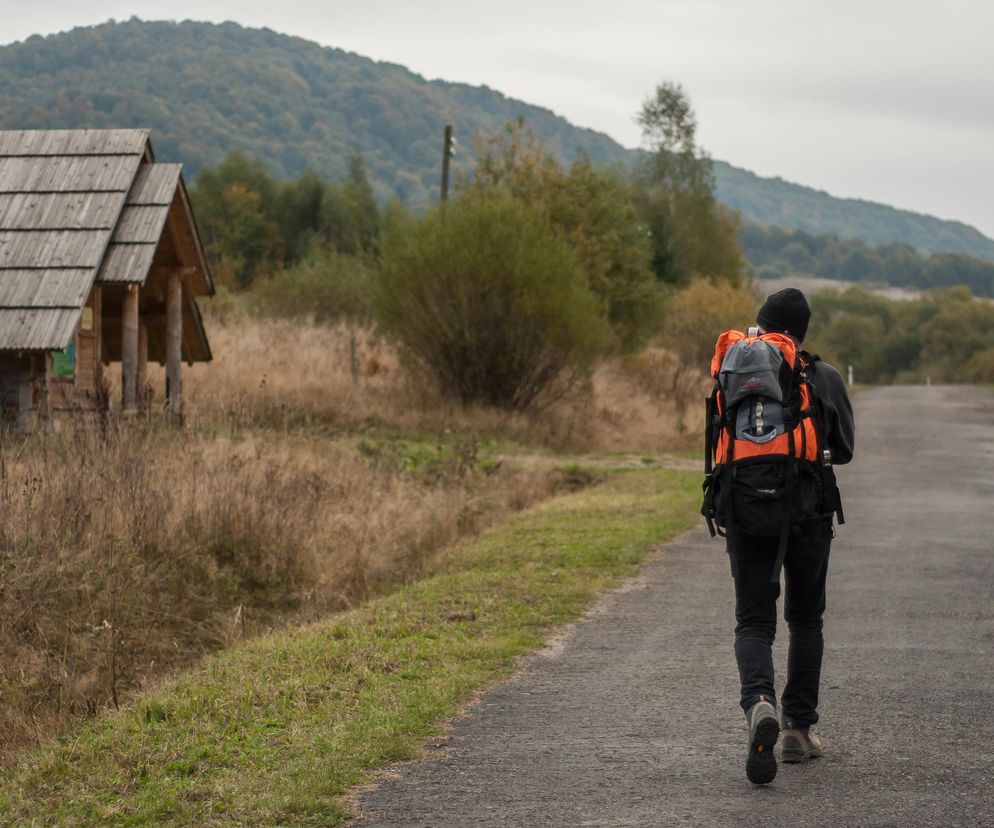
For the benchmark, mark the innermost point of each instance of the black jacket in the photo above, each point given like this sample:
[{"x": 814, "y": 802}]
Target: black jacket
[{"x": 840, "y": 427}]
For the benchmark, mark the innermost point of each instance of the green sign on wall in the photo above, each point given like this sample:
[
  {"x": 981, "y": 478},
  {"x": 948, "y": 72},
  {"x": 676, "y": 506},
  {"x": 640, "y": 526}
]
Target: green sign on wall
[{"x": 64, "y": 362}]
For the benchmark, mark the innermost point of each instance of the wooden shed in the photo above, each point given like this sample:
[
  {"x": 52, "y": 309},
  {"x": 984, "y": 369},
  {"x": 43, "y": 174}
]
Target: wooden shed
[{"x": 100, "y": 262}]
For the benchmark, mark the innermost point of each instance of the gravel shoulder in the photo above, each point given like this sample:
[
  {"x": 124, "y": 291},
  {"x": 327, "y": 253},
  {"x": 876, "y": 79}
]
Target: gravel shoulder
[{"x": 630, "y": 717}]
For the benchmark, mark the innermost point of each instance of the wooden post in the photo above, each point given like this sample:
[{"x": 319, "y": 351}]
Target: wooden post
[
  {"x": 142, "y": 367},
  {"x": 174, "y": 345},
  {"x": 98, "y": 321},
  {"x": 44, "y": 397},
  {"x": 446, "y": 157},
  {"x": 353, "y": 357},
  {"x": 25, "y": 398},
  {"x": 129, "y": 349}
]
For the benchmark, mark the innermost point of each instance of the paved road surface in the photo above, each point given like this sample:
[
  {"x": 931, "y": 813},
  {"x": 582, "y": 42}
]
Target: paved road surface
[{"x": 632, "y": 718}]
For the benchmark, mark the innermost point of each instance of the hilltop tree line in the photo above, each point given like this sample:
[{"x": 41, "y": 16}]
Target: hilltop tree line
[
  {"x": 778, "y": 203},
  {"x": 253, "y": 224},
  {"x": 774, "y": 251},
  {"x": 204, "y": 89}
]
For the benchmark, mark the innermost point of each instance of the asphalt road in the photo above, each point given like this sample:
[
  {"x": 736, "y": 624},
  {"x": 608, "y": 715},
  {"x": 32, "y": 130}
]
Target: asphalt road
[{"x": 630, "y": 718}]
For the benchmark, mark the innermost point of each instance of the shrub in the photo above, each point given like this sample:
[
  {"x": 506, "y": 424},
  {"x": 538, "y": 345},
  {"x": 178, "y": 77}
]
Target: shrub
[
  {"x": 699, "y": 313},
  {"x": 593, "y": 207},
  {"x": 488, "y": 301},
  {"x": 980, "y": 367},
  {"x": 327, "y": 286}
]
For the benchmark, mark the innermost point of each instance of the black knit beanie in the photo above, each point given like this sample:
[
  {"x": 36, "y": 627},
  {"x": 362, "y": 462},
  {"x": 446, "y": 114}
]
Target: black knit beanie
[{"x": 786, "y": 311}]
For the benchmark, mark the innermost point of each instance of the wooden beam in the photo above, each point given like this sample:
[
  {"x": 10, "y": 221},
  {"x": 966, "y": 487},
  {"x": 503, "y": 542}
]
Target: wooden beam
[
  {"x": 146, "y": 318},
  {"x": 190, "y": 226},
  {"x": 174, "y": 346},
  {"x": 164, "y": 271},
  {"x": 129, "y": 350}
]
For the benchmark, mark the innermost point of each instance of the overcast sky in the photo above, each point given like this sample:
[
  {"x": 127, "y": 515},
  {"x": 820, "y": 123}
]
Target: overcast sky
[{"x": 888, "y": 100}]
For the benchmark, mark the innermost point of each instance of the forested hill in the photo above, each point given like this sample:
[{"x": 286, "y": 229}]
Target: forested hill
[
  {"x": 780, "y": 203},
  {"x": 205, "y": 89}
]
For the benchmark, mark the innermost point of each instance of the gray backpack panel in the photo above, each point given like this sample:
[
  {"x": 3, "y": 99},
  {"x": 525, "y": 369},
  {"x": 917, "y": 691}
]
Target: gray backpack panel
[
  {"x": 750, "y": 377},
  {"x": 751, "y": 368},
  {"x": 760, "y": 419}
]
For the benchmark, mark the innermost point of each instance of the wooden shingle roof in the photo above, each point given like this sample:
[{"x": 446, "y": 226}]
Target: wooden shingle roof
[
  {"x": 62, "y": 193},
  {"x": 146, "y": 209},
  {"x": 85, "y": 206}
]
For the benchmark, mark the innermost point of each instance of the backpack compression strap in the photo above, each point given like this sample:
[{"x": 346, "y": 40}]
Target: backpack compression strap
[
  {"x": 728, "y": 425},
  {"x": 790, "y": 423}
]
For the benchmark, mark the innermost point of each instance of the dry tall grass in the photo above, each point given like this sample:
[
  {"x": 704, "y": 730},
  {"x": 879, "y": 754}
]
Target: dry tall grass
[
  {"x": 288, "y": 374},
  {"x": 125, "y": 555}
]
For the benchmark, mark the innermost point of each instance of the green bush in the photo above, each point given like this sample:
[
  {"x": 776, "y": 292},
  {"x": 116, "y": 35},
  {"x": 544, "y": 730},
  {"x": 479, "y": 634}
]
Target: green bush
[
  {"x": 488, "y": 301},
  {"x": 593, "y": 207},
  {"x": 328, "y": 286}
]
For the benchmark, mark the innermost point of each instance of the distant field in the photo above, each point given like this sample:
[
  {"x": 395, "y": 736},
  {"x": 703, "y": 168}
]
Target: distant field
[{"x": 815, "y": 284}]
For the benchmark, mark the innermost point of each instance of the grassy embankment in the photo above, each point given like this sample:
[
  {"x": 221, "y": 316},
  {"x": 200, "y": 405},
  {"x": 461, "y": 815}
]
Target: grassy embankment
[
  {"x": 278, "y": 729},
  {"x": 297, "y": 489}
]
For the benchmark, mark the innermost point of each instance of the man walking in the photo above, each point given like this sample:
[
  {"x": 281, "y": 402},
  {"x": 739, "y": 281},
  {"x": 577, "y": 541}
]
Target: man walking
[{"x": 801, "y": 546}]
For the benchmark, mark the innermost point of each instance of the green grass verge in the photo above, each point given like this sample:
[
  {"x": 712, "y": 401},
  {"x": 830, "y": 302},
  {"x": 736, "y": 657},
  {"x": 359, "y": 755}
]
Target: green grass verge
[{"x": 277, "y": 730}]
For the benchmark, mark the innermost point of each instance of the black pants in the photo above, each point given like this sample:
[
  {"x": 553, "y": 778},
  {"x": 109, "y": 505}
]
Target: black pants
[{"x": 805, "y": 570}]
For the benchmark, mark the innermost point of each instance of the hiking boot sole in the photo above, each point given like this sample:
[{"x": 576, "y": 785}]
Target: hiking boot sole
[
  {"x": 761, "y": 764},
  {"x": 796, "y": 757}
]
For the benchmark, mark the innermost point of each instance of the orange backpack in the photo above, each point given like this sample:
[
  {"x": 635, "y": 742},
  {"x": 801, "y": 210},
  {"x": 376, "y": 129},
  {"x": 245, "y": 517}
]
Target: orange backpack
[{"x": 766, "y": 464}]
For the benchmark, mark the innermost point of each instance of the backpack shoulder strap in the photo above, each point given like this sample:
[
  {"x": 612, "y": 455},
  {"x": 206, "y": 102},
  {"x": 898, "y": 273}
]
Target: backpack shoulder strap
[
  {"x": 820, "y": 418},
  {"x": 710, "y": 413},
  {"x": 786, "y": 346},
  {"x": 809, "y": 361}
]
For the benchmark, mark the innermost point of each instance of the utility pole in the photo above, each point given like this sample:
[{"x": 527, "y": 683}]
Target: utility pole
[{"x": 448, "y": 150}]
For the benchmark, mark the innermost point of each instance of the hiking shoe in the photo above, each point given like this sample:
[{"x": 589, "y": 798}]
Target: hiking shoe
[
  {"x": 764, "y": 728},
  {"x": 799, "y": 743}
]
